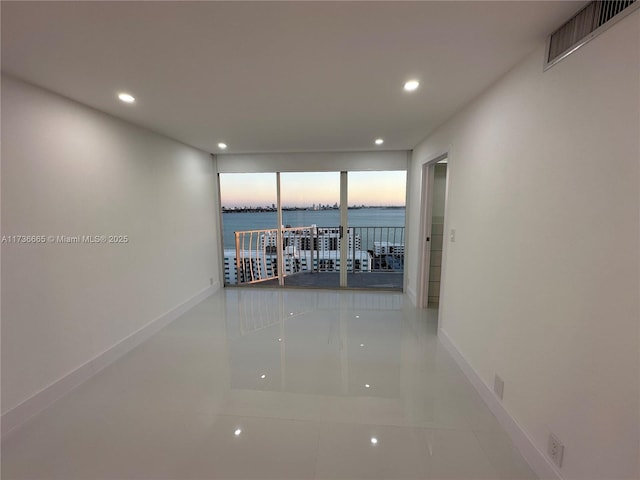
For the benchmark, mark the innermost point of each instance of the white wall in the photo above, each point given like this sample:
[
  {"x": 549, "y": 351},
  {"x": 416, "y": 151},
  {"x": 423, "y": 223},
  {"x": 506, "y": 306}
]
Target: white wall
[
  {"x": 71, "y": 170},
  {"x": 545, "y": 194}
]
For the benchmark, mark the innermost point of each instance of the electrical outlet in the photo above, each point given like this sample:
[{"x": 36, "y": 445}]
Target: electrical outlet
[
  {"x": 555, "y": 450},
  {"x": 498, "y": 387}
]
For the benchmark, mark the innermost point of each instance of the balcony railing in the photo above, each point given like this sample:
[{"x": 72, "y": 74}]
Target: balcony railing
[{"x": 312, "y": 249}]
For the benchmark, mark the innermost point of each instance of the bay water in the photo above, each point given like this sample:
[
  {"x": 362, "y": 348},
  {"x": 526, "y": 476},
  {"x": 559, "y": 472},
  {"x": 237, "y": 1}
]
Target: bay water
[{"x": 359, "y": 217}]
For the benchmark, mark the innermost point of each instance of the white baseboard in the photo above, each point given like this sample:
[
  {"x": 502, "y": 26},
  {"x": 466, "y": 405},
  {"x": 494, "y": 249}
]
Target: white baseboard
[
  {"x": 41, "y": 400},
  {"x": 536, "y": 459}
]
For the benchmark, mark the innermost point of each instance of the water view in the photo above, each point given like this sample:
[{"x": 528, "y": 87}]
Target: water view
[
  {"x": 358, "y": 217},
  {"x": 370, "y": 250}
]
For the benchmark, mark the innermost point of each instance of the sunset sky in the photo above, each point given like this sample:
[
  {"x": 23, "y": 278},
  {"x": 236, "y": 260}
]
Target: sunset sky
[{"x": 306, "y": 189}]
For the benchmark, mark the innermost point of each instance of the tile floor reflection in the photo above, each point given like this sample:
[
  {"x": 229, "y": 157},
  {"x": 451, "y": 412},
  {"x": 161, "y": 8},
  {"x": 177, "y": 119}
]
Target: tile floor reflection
[{"x": 266, "y": 383}]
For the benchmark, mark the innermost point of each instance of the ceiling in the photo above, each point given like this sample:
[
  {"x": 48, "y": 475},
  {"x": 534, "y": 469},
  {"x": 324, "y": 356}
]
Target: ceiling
[{"x": 275, "y": 77}]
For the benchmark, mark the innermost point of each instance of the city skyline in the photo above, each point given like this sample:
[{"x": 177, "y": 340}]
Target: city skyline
[
  {"x": 304, "y": 190},
  {"x": 314, "y": 207}
]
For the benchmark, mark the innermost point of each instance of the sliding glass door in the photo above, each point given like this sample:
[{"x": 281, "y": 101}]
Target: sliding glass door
[
  {"x": 311, "y": 218},
  {"x": 248, "y": 217},
  {"x": 376, "y": 220},
  {"x": 314, "y": 229}
]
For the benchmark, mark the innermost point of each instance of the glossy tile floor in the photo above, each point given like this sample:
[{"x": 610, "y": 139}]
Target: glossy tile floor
[
  {"x": 360, "y": 280},
  {"x": 260, "y": 383}
]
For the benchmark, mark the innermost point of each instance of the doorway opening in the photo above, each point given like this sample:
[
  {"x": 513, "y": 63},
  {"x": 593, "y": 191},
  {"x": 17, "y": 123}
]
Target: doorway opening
[{"x": 433, "y": 230}]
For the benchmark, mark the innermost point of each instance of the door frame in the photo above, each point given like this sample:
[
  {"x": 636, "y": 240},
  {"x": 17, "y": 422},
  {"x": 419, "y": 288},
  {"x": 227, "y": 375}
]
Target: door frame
[{"x": 426, "y": 217}]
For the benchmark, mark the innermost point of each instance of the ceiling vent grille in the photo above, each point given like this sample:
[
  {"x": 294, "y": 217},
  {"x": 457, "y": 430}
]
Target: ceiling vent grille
[{"x": 585, "y": 25}]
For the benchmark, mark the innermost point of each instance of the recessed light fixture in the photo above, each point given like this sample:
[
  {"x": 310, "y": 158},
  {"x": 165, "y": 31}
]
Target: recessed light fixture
[
  {"x": 374, "y": 441},
  {"x": 237, "y": 432},
  {"x": 379, "y": 141},
  {"x": 366, "y": 385},
  {"x": 222, "y": 146},
  {"x": 362, "y": 344},
  {"x": 126, "y": 97},
  {"x": 411, "y": 85},
  {"x": 264, "y": 375}
]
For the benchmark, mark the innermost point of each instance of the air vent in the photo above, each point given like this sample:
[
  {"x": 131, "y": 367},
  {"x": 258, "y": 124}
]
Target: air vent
[{"x": 587, "y": 24}]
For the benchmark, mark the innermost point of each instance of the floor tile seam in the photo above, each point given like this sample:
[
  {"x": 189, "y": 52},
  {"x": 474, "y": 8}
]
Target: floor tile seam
[
  {"x": 488, "y": 456},
  {"x": 321, "y": 422},
  {"x": 387, "y": 424},
  {"x": 475, "y": 396},
  {"x": 287, "y": 419},
  {"x": 317, "y": 453},
  {"x": 500, "y": 430},
  {"x": 311, "y": 422},
  {"x": 182, "y": 410}
]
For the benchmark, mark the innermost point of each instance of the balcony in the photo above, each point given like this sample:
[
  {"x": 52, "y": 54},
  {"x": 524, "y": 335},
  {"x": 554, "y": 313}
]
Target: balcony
[{"x": 311, "y": 257}]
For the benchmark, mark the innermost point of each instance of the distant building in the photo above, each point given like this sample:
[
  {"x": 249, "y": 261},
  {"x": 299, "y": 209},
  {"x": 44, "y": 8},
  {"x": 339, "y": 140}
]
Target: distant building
[
  {"x": 388, "y": 248},
  {"x": 308, "y": 249},
  {"x": 262, "y": 264},
  {"x": 313, "y": 238}
]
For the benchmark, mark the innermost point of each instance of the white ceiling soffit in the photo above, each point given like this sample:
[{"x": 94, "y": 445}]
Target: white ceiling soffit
[
  {"x": 316, "y": 161},
  {"x": 275, "y": 77}
]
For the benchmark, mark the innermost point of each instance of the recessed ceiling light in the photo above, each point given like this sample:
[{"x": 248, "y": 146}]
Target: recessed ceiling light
[
  {"x": 362, "y": 344},
  {"x": 126, "y": 97},
  {"x": 379, "y": 141},
  {"x": 222, "y": 146},
  {"x": 237, "y": 432},
  {"x": 366, "y": 385},
  {"x": 411, "y": 85},
  {"x": 374, "y": 440},
  {"x": 263, "y": 376}
]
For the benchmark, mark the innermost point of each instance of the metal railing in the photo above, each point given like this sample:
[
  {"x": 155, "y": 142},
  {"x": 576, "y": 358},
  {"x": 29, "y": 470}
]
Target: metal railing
[
  {"x": 258, "y": 257},
  {"x": 313, "y": 249},
  {"x": 384, "y": 244}
]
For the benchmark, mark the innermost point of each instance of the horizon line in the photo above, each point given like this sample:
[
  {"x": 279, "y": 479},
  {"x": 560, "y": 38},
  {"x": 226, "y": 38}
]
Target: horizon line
[{"x": 311, "y": 207}]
